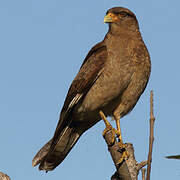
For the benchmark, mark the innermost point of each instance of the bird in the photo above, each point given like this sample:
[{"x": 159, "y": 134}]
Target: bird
[{"x": 110, "y": 81}]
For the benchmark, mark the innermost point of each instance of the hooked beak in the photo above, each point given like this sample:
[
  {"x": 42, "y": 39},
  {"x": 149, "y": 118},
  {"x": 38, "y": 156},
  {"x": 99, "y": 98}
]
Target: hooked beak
[{"x": 110, "y": 17}]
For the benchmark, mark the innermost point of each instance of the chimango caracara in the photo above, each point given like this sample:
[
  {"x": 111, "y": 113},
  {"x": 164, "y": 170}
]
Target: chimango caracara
[{"x": 111, "y": 79}]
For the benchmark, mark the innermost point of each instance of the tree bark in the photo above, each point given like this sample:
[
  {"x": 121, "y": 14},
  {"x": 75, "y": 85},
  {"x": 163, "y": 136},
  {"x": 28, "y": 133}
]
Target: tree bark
[{"x": 128, "y": 169}]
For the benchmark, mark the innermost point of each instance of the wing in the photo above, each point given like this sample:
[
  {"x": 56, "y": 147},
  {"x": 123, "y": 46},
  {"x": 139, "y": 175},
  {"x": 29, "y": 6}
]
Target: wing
[{"x": 87, "y": 75}]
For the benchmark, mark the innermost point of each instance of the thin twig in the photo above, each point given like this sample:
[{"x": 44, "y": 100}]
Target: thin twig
[
  {"x": 141, "y": 165},
  {"x": 151, "y": 137},
  {"x": 143, "y": 173}
]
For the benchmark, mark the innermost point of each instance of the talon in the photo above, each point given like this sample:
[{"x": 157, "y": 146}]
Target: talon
[
  {"x": 113, "y": 135},
  {"x": 125, "y": 156},
  {"x": 124, "y": 152},
  {"x": 121, "y": 145},
  {"x": 108, "y": 127}
]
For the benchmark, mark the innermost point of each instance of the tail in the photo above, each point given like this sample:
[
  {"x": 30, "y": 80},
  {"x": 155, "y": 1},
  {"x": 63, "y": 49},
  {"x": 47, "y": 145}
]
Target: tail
[{"x": 50, "y": 157}]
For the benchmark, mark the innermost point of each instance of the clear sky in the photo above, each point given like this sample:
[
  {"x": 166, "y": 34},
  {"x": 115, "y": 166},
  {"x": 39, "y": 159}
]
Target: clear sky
[{"x": 42, "y": 45}]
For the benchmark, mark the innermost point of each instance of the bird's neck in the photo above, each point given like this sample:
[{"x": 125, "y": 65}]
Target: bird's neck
[
  {"x": 124, "y": 31},
  {"x": 122, "y": 41}
]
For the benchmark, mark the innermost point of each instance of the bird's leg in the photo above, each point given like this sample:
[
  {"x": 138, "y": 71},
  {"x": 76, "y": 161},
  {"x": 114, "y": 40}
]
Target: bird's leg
[
  {"x": 108, "y": 127},
  {"x": 118, "y": 131},
  {"x": 122, "y": 146}
]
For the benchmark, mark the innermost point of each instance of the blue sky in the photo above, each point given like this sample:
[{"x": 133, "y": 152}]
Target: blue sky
[{"x": 42, "y": 45}]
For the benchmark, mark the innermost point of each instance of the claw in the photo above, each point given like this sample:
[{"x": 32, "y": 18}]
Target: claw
[
  {"x": 113, "y": 135},
  {"x": 108, "y": 127},
  {"x": 122, "y": 149},
  {"x": 122, "y": 146},
  {"x": 125, "y": 156}
]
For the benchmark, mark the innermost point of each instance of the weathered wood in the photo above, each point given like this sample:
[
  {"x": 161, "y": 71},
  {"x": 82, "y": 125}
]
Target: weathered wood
[
  {"x": 128, "y": 169},
  {"x": 151, "y": 136}
]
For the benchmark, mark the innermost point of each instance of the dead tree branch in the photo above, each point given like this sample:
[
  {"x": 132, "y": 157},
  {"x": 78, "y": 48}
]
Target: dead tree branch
[
  {"x": 129, "y": 169},
  {"x": 116, "y": 154},
  {"x": 143, "y": 173},
  {"x": 151, "y": 137}
]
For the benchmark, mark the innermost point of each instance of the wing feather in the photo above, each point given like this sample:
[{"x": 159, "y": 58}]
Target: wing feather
[{"x": 87, "y": 75}]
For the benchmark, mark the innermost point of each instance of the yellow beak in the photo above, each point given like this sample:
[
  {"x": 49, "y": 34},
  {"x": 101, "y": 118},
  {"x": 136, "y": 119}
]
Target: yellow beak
[{"x": 110, "y": 17}]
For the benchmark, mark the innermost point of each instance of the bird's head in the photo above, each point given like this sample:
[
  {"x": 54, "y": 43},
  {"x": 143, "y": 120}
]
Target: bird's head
[{"x": 121, "y": 17}]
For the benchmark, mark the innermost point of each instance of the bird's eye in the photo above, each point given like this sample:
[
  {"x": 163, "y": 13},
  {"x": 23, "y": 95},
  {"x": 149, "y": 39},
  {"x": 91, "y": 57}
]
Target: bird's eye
[{"x": 123, "y": 14}]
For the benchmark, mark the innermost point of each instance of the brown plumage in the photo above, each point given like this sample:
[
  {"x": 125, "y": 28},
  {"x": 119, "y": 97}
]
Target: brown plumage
[{"x": 112, "y": 78}]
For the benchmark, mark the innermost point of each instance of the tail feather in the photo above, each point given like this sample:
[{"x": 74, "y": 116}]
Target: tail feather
[
  {"x": 41, "y": 153},
  {"x": 50, "y": 156}
]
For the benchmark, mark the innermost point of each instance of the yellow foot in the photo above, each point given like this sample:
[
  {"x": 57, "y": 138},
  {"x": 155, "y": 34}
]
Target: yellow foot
[
  {"x": 122, "y": 149},
  {"x": 113, "y": 134},
  {"x": 104, "y": 119},
  {"x": 108, "y": 127}
]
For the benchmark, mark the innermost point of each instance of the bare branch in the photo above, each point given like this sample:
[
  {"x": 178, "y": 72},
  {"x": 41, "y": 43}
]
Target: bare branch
[
  {"x": 116, "y": 154},
  {"x": 128, "y": 169},
  {"x": 141, "y": 165},
  {"x": 143, "y": 173},
  {"x": 151, "y": 138}
]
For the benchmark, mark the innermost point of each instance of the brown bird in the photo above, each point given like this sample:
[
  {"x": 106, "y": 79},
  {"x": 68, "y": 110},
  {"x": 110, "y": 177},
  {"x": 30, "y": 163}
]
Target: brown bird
[{"x": 111, "y": 79}]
